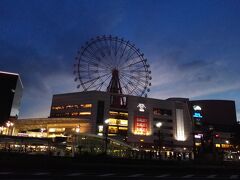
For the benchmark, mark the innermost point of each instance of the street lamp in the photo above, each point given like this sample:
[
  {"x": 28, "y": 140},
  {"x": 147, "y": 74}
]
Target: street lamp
[
  {"x": 42, "y": 130},
  {"x": 75, "y": 139},
  {"x": 1, "y": 130},
  {"x": 77, "y": 129},
  {"x": 106, "y": 122},
  {"x": 158, "y": 125},
  {"x": 9, "y": 124}
]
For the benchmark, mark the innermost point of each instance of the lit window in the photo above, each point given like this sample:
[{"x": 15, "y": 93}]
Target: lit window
[
  {"x": 69, "y": 106},
  {"x": 123, "y": 128},
  {"x": 123, "y": 114},
  {"x": 218, "y": 145},
  {"x": 57, "y": 107},
  {"x": 164, "y": 112},
  {"x": 112, "y": 129},
  {"x": 74, "y": 113},
  {"x": 75, "y": 106},
  {"x": 113, "y": 113},
  {"x": 51, "y": 130},
  {"x": 100, "y": 128},
  {"x": 86, "y": 105},
  {"x": 112, "y": 121},
  {"x": 85, "y": 113},
  {"x": 56, "y": 129},
  {"x": 123, "y": 122}
]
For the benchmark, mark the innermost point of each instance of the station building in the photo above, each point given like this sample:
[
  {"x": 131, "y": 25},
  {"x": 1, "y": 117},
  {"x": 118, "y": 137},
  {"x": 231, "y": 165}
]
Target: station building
[{"x": 134, "y": 121}]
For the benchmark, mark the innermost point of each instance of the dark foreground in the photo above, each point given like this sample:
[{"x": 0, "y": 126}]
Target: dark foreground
[{"x": 21, "y": 166}]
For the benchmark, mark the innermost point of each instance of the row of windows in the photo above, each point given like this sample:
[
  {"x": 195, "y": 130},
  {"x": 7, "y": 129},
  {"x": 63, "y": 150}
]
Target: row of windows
[
  {"x": 72, "y": 114},
  {"x": 163, "y": 120},
  {"x": 119, "y": 115},
  {"x": 118, "y": 122},
  {"x": 72, "y": 106},
  {"x": 163, "y": 134},
  {"x": 163, "y": 112},
  {"x": 167, "y": 127},
  {"x": 114, "y": 130},
  {"x": 156, "y": 141}
]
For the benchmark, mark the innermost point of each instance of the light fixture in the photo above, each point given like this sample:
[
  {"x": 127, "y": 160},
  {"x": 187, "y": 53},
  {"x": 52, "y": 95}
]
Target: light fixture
[
  {"x": 77, "y": 129},
  {"x": 158, "y": 125},
  {"x": 106, "y": 121}
]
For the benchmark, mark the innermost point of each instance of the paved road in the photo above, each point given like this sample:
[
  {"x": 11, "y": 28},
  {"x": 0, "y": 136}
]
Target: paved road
[
  {"x": 41, "y": 167},
  {"x": 108, "y": 174}
]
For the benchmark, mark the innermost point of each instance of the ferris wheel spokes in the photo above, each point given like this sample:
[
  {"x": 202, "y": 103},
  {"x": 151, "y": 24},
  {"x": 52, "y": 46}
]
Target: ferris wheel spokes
[{"x": 112, "y": 62}]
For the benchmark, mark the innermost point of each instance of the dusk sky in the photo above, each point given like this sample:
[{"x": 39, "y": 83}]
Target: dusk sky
[{"x": 192, "y": 46}]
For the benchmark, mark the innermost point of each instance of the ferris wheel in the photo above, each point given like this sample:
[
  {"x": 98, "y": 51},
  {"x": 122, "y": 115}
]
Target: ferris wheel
[{"x": 112, "y": 64}]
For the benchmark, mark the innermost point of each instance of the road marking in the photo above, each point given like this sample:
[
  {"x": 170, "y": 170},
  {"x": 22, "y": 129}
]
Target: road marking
[
  {"x": 104, "y": 175},
  {"x": 188, "y": 176},
  {"x": 135, "y": 175},
  {"x": 162, "y": 176},
  {"x": 4, "y": 173},
  {"x": 74, "y": 174},
  {"x": 40, "y": 173},
  {"x": 234, "y": 177},
  {"x": 211, "y": 176}
]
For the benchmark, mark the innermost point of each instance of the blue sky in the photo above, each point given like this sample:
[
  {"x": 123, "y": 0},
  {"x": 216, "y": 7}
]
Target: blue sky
[{"x": 193, "y": 47}]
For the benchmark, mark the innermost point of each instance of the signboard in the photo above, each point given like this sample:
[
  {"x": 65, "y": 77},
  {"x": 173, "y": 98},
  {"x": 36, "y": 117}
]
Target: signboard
[
  {"x": 141, "y": 125},
  {"x": 141, "y": 107},
  {"x": 197, "y": 115}
]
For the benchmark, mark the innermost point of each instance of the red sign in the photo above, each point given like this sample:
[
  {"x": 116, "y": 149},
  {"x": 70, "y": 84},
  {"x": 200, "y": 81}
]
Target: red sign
[{"x": 141, "y": 125}]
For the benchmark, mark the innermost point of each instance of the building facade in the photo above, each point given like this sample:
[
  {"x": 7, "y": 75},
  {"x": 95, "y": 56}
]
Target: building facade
[
  {"x": 134, "y": 121},
  {"x": 214, "y": 123},
  {"x": 174, "y": 127},
  {"x": 10, "y": 95}
]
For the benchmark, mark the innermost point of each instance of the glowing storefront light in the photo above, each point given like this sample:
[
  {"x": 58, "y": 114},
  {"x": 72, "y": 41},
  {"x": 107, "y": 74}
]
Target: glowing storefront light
[
  {"x": 180, "y": 136},
  {"x": 198, "y": 136},
  {"x": 141, "y": 125},
  {"x": 100, "y": 128}
]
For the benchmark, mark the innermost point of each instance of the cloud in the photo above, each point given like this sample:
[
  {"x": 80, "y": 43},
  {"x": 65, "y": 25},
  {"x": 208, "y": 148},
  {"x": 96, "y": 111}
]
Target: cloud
[
  {"x": 174, "y": 76},
  {"x": 36, "y": 103}
]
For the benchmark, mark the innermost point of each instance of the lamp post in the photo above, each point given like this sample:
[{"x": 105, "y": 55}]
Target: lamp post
[
  {"x": 42, "y": 130},
  {"x": 210, "y": 131},
  {"x": 158, "y": 125},
  {"x": 106, "y": 122},
  {"x": 9, "y": 124},
  {"x": 75, "y": 133},
  {"x": 1, "y": 130}
]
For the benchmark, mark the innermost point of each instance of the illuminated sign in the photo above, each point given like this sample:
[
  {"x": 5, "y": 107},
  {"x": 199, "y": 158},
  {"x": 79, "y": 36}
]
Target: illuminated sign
[
  {"x": 141, "y": 125},
  {"x": 198, "y": 136},
  {"x": 141, "y": 107},
  {"x": 197, "y": 115},
  {"x": 197, "y": 108}
]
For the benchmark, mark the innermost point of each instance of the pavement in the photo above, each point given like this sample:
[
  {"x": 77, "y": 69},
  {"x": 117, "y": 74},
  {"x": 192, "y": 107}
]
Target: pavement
[
  {"x": 108, "y": 174},
  {"x": 42, "y": 167}
]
